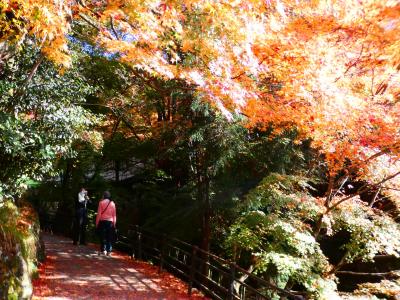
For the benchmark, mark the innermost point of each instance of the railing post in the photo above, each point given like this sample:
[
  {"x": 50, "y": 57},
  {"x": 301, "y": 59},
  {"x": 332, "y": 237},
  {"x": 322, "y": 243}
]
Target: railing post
[
  {"x": 243, "y": 293},
  {"x": 131, "y": 242},
  {"x": 162, "y": 252},
  {"x": 192, "y": 269},
  {"x": 139, "y": 242},
  {"x": 232, "y": 282}
]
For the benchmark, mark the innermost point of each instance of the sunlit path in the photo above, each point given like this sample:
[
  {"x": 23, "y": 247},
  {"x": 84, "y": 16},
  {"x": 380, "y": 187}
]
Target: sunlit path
[{"x": 78, "y": 272}]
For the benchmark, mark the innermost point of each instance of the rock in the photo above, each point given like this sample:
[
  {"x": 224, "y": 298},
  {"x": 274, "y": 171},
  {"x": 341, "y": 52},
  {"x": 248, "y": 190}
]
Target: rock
[{"x": 25, "y": 278}]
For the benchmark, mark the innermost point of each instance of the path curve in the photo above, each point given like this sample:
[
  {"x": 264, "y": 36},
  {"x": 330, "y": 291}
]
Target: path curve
[{"x": 78, "y": 272}]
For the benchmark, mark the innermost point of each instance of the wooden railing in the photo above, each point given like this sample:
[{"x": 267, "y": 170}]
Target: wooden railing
[{"x": 216, "y": 277}]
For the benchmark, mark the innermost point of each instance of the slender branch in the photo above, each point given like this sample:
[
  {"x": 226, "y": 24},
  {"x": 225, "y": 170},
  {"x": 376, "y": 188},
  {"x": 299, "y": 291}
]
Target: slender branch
[
  {"x": 90, "y": 22},
  {"x": 34, "y": 69},
  {"x": 329, "y": 191},
  {"x": 372, "y": 82},
  {"x": 343, "y": 182},
  {"x": 113, "y": 28},
  {"x": 390, "y": 188},
  {"x": 115, "y": 127},
  {"x": 91, "y": 104},
  {"x": 328, "y": 199},
  {"x": 383, "y": 274},
  {"x": 318, "y": 226},
  {"x": 125, "y": 121},
  {"x": 375, "y": 196},
  {"x": 340, "y": 263},
  {"x": 376, "y": 155},
  {"x": 21, "y": 91},
  {"x": 118, "y": 114},
  {"x": 395, "y": 146},
  {"x": 244, "y": 72},
  {"x": 362, "y": 190},
  {"x": 353, "y": 63}
]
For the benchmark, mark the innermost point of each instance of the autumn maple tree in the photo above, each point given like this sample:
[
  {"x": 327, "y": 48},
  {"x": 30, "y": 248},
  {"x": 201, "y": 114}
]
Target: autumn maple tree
[
  {"x": 336, "y": 63},
  {"x": 328, "y": 70}
]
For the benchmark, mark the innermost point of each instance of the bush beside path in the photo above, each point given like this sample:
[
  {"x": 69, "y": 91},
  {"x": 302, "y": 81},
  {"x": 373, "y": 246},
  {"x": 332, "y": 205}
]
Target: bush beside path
[{"x": 78, "y": 272}]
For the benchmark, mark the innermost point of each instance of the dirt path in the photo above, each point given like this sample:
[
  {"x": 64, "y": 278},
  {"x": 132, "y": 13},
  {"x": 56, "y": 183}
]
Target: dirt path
[{"x": 78, "y": 272}]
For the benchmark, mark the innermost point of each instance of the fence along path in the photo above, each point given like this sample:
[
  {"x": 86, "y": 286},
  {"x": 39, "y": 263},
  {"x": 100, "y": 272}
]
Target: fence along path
[
  {"x": 78, "y": 272},
  {"x": 209, "y": 273}
]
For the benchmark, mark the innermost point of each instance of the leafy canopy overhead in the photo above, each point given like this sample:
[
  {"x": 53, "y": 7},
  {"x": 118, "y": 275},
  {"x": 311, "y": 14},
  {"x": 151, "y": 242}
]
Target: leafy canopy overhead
[{"x": 329, "y": 68}]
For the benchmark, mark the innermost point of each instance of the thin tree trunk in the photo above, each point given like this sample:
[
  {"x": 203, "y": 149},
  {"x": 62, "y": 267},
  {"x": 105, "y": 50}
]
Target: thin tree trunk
[
  {"x": 168, "y": 108},
  {"x": 206, "y": 224},
  {"x": 21, "y": 91},
  {"x": 340, "y": 263},
  {"x": 203, "y": 198},
  {"x": 328, "y": 198},
  {"x": 375, "y": 197},
  {"x": 117, "y": 165}
]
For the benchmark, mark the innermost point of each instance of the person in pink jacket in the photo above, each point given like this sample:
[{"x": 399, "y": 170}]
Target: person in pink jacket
[{"x": 106, "y": 220}]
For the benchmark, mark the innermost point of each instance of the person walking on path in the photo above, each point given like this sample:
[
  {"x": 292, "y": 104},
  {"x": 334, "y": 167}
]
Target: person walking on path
[
  {"x": 79, "y": 232},
  {"x": 105, "y": 222}
]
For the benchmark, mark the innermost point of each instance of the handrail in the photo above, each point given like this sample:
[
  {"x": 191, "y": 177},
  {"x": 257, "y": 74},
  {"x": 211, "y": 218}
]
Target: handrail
[{"x": 209, "y": 273}]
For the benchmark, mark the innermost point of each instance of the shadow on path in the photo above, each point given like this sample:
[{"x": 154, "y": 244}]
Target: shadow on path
[{"x": 78, "y": 272}]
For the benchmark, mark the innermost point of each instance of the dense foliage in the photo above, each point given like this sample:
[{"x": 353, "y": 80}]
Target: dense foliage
[
  {"x": 265, "y": 131},
  {"x": 40, "y": 118},
  {"x": 275, "y": 234}
]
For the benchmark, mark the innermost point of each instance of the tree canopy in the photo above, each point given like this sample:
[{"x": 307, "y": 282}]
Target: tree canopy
[
  {"x": 273, "y": 123},
  {"x": 330, "y": 68}
]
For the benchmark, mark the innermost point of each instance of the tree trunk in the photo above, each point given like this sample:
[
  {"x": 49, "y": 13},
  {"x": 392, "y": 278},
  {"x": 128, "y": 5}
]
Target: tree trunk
[
  {"x": 66, "y": 175},
  {"x": 204, "y": 200},
  {"x": 203, "y": 187},
  {"x": 117, "y": 167}
]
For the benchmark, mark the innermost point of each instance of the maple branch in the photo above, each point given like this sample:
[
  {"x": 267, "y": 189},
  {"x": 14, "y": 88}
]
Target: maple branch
[
  {"x": 340, "y": 263},
  {"x": 90, "y": 104},
  {"x": 21, "y": 91},
  {"x": 372, "y": 82},
  {"x": 343, "y": 182},
  {"x": 34, "y": 69},
  {"x": 90, "y": 22},
  {"x": 121, "y": 116},
  {"x": 380, "y": 153},
  {"x": 390, "y": 188},
  {"x": 149, "y": 82},
  {"x": 244, "y": 72},
  {"x": 329, "y": 191},
  {"x": 113, "y": 28},
  {"x": 361, "y": 190},
  {"x": 375, "y": 196},
  {"x": 352, "y": 64},
  {"x": 381, "y": 87},
  {"x": 383, "y": 274},
  {"x": 83, "y": 4},
  {"x": 158, "y": 14},
  {"x": 328, "y": 199},
  {"x": 115, "y": 127}
]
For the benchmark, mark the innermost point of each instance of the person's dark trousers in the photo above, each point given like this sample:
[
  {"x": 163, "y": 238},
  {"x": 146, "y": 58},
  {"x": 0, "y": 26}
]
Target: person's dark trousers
[
  {"x": 80, "y": 226},
  {"x": 105, "y": 232}
]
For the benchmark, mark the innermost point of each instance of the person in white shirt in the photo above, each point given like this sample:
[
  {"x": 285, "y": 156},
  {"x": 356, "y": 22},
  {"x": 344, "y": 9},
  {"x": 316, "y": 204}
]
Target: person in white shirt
[{"x": 79, "y": 232}]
